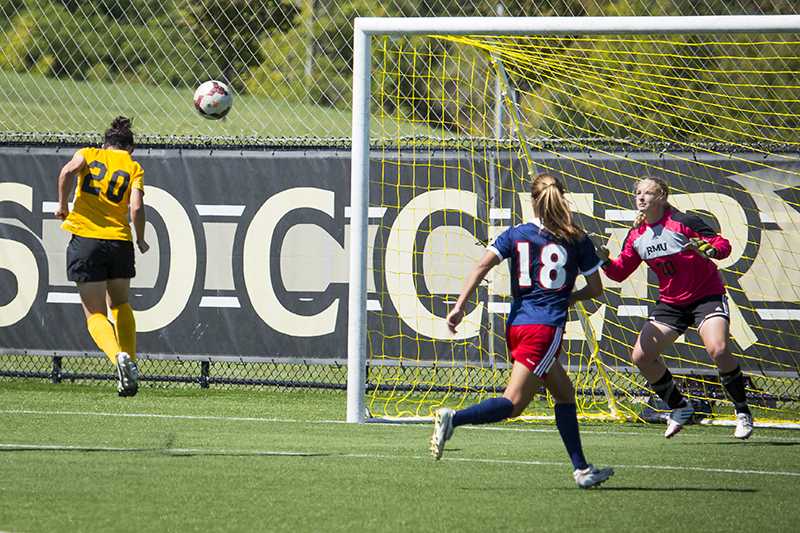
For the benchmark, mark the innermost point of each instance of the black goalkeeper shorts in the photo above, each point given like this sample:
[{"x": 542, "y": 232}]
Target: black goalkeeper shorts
[{"x": 680, "y": 318}]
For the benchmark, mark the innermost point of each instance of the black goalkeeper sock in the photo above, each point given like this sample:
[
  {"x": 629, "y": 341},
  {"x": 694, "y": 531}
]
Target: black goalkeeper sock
[
  {"x": 733, "y": 382},
  {"x": 667, "y": 390}
]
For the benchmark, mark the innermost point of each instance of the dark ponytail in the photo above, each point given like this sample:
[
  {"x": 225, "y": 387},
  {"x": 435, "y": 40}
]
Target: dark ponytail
[{"x": 119, "y": 134}]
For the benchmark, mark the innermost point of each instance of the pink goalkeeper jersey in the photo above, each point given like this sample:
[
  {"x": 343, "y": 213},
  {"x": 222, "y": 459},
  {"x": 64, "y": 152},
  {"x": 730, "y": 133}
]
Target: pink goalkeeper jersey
[{"x": 683, "y": 275}]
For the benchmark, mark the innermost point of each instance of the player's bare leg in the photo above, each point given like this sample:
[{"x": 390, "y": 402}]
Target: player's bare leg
[
  {"x": 653, "y": 339},
  {"x": 521, "y": 387},
  {"x": 715, "y": 334}
]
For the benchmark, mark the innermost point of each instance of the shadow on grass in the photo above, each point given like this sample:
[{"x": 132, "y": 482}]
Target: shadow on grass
[
  {"x": 748, "y": 443},
  {"x": 606, "y": 488},
  {"x": 172, "y": 452}
]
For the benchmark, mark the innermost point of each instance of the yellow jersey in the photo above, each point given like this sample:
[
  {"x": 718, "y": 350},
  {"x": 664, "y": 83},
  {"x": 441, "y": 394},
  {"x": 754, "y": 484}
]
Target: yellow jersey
[{"x": 103, "y": 193}]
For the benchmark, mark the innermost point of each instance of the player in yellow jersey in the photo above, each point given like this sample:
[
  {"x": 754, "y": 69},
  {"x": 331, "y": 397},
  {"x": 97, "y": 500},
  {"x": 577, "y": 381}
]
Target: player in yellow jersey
[{"x": 100, "y": 257}]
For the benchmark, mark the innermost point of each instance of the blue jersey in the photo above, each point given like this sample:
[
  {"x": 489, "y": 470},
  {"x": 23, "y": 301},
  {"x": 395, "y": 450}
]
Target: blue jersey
[{"x": 543, "y": 272}]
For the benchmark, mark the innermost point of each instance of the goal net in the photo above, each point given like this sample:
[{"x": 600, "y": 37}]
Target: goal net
[{"x": 716, "y": 115}]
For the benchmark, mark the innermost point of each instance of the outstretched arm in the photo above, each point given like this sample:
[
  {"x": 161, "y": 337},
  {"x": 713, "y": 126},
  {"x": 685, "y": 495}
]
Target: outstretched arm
[
  {"x": 626, "y": 262},
  {"x": 487, "y": 262},
  {"x": 66, "y": 182}
]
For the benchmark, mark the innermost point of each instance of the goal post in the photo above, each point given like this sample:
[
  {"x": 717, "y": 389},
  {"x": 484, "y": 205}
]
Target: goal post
[{"x": 709, "y": 129}]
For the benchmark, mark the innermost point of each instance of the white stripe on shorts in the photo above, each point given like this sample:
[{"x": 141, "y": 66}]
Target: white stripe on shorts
[
  {"x": 725, "y": 313},
  {"x": 549, "y": 358}
]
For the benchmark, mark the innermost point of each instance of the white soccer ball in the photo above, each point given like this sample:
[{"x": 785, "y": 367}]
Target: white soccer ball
[{"x": 213, "y": 99}]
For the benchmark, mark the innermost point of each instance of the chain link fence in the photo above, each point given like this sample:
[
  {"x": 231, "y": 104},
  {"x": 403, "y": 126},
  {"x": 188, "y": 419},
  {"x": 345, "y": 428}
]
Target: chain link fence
[{"x": 67, "y": 67}]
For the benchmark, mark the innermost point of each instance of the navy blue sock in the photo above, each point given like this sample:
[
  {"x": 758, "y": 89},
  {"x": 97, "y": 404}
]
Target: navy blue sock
[
  {"x": 485, "y": 412},
  {"x": 567, "y": 422}
]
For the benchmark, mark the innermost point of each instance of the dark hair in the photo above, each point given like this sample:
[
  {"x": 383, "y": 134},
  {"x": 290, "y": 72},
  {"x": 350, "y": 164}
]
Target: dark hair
[
  {"x": 119, "y": 134},
  {"x": 550, "y": 205}
]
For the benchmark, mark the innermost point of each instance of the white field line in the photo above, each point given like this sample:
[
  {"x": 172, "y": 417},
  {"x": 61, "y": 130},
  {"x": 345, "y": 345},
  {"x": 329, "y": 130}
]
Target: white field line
[
  {"x": 685, "y": 434},
  {"x": 293, "y": 453}
]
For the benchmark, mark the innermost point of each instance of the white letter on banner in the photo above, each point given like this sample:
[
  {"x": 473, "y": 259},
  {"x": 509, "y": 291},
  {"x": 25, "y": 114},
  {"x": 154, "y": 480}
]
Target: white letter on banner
[
  {"x": 400, "y": 264},
  {"x": 182, "y": 262},
  {"x": 19, "y": 260},
  {"x": 728, "y": 212},
  {"x": 733, "y": 226},
  {"x": 257, "y": 276}
]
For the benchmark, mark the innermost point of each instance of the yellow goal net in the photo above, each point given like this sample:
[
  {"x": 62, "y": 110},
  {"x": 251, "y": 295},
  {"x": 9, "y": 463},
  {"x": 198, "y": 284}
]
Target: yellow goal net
[{"x": 716, "y": 116}]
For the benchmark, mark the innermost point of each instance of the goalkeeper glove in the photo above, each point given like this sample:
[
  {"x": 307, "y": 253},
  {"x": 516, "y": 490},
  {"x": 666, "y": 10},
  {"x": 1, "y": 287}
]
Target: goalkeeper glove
[
  {"x": 604, "y": 255},
  {"x": 703, "y": 247}
]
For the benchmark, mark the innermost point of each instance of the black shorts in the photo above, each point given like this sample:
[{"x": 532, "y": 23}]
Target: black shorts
[
  {"x": 680, "y": 318},
  {"x": 99, "y": 259}
]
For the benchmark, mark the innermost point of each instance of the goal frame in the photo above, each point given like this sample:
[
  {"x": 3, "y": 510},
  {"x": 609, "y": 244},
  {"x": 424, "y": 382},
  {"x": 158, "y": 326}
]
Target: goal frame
[{"x": 365, "y": 27}]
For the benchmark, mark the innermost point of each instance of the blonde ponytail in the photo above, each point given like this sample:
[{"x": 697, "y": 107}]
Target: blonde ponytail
[{"x": 550, "y": 205}]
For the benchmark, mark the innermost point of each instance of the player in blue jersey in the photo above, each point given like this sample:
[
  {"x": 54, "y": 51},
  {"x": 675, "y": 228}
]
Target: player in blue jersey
[{"x": 545, "y": 257}]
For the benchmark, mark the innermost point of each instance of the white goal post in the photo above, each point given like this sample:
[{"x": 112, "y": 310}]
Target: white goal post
[{"x": 365, "y": 28}]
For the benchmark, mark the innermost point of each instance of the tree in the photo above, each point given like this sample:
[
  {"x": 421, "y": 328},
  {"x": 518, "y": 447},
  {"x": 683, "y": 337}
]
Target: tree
[{"x": 227, "y": 32}]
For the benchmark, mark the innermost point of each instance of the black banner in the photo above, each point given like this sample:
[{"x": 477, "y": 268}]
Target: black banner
[{"x": 250, "y": 251}]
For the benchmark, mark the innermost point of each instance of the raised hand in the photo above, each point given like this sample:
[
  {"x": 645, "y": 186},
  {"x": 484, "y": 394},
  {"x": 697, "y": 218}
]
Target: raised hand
[
  {"x": 454, "y": 318},
  {"x": 604, "y": 254},
  {"x": 702, "y": 247},
  {"x": 62, "y": 212}
]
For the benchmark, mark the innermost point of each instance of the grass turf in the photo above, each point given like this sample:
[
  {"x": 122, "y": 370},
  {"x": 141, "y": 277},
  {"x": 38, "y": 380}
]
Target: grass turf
[
  {"x": 35, "y": 103},
  {"x": 192, "y": 460}
]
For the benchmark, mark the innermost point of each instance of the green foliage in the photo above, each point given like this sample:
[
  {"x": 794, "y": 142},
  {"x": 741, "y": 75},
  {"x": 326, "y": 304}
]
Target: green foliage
[
  {"x": 301, "y": 51},
  {"x": 282, "y": 72},
  {"x": 134, "y": 12},
  {"x": 162, "y": 110},
  {"x": 16, "y": 41},
  {"x": 333, "y": 34},
  {"x": 227, "y": 32},
  {"x": 179, "y": 42}
]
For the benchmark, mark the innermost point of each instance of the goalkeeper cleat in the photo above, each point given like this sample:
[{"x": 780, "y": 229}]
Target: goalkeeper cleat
[
  {"x": 744, "y": 426},
  {"x": 442, "y": 430},
  {"x": 591, "y": 476},
  {"x": 127, "y": 375},
  {"x": 679, "y": 417}
]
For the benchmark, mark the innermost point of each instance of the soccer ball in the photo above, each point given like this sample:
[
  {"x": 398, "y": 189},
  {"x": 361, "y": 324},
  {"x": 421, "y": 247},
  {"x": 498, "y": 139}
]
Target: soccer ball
[{"x": 213, "y": 99}]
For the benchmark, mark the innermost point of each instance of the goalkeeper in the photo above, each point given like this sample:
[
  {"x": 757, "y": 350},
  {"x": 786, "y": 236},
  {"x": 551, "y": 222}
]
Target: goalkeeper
[{"x": 680, "y": 247}]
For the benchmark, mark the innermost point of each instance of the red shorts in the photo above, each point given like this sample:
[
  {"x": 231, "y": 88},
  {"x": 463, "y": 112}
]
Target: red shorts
[{"x": 535, "y": 345}]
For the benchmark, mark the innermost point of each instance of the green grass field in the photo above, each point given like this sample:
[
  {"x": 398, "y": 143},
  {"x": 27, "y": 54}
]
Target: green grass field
[
  {"x": 78, "y": 458},
  {"x": 35, "y": 103}
]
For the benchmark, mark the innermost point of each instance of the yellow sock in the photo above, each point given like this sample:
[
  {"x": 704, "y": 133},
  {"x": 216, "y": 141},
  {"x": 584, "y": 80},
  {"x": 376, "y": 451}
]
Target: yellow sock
[
  {"x": 125, "y": 325},
  {"x": 103, "y": 334}
]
